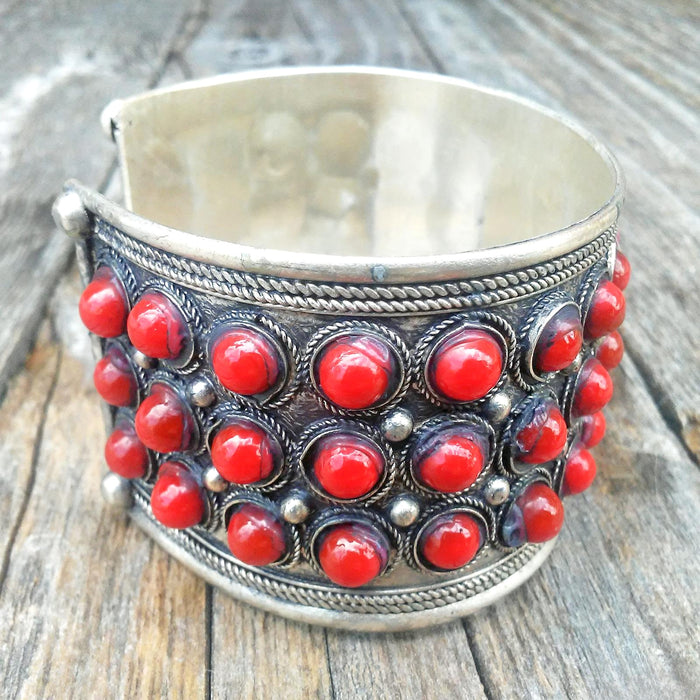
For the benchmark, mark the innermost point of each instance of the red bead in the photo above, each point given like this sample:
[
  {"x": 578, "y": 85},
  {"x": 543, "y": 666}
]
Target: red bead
[
  {"x": 356, "y": 371},
  {"x": 352, "y": 554},
  {"x": 103, "y": 306},
  {"x": 543, "y": 512},
  {"x": 347, "y": 466},
  {"x": 579, "y": 471},
  {"x": 607, "y": 310},
  {"x": 114, "y": 378},
  {"x": 560, "y": 341},
  {"x": 592, "y": 429},
  {"x": 594, "y": 389},
  {"x": 163, "y": 422},
  {"x": 245, "y": 361},
  {"x": 451, "y": 460},
  {"x": 125, "y": 454},
  {"x": 177, "y": 500},
  {"x": 622, "y": 270},
  {"x": 256, "y": 536},
  {"x": 541, "y": 433},
  {"x": 157, "y": 327},
  {"x": 466, "y": 366},
  {"x": 611, "y": 350},
  {"x": 243, "y": 453},
  {"x": 451, "y": 541}
]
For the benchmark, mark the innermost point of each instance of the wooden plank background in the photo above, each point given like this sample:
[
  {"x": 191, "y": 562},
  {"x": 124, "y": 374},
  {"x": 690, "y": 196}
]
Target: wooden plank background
[{"x": 90, "y": 608}]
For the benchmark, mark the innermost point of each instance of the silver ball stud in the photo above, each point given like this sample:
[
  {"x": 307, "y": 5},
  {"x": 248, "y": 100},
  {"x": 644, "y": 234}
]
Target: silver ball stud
[
  {"x": 397, "y": 425},
  {"x": 497, "y": 490},
  {"x": 213, "y": 481},
  {"x": 404, "y": 511},
  {"x": 498, "y": 406},
  {"x": 294, "y": 509},
  {"x": 143, "y": 361},
  {"x": 116, "y": 491},
  {"x": 70, "y": 215},
  {"x": 201, "y": 392}
]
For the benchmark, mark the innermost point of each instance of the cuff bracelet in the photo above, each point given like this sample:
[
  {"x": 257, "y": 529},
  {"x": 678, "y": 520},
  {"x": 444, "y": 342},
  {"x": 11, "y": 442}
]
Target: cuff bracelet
[{"x": 353, "y": 328}]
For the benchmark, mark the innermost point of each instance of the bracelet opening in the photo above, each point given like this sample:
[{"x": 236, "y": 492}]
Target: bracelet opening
[{"x": 356, "y": 162}]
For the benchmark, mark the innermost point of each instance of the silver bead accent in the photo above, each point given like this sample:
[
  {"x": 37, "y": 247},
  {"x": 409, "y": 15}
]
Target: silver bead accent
[
  {"x": 498, "y": 406},
  {"x": 213, "y": 481},
  {"x": 575, "y": 366},
  {"x": 143, "y": 361},
  {"x": 116, "y": 490},
  {"x": 294, "y": 509},
  {"x": 398, "y": 425},
  {"x": 404, "y": 511},
  {"x": 201, "y": 392},
  {"x": 497, "y": 490},
  {"x": 70, "y": 215},
  {"x": 108, "y": 118}
]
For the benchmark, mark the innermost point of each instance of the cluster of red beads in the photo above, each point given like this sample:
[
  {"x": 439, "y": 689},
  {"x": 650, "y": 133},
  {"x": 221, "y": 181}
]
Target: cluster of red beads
[
  {"x": 355, "y": 370},
  {"x": 594, "y": 387}
]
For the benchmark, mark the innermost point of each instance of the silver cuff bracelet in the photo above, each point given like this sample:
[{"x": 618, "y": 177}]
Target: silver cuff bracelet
[{"x": 353, "y": 329}]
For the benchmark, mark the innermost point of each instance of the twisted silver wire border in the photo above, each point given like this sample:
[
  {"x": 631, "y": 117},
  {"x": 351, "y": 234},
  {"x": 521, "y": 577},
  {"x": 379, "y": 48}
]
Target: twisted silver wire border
[
  {"x": 264, "y": 290},
  {"x": 382, "y": 602}
]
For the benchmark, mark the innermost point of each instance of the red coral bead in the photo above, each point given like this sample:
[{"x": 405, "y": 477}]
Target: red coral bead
[
  {"x": 243, "y": 453},
  {"x": 542, "y": 511},
  {"x": 347, "y": 466},
  {"x": 256, "y": 536},
  {"x": 622, "y": 270},
  {"x": 451, "y": 460},
  {"x": 163, "y": 422},
  {"x": 560, "y": 341},
  {"x": 103, "y": 306},
  {"x": 356, "y": 371},
  {"x": 611, "y": 350},
  {"x": 177, "y": 500},
  {"x": 352, "y": 554},
  {"x": 467, "y": 365},
  {"x": 114, "y": 378},
  {"x": 245, "y": 361},
  {"x": 593, "y": 429},
  {"x": 541, "y": 433},
  {"x": 157, "y": 327},
  {"x": 451, "y": 541},
  {"x": 607, "y": 310},
  {"x": 594, "y": 389},
  {"x": 125, "y": 454},
  {"x": 579, "y": 471}
]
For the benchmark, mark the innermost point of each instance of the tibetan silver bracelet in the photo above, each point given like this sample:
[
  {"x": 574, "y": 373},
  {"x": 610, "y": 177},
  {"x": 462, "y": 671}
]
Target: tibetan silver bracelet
[{"x": 353, "y": 329}]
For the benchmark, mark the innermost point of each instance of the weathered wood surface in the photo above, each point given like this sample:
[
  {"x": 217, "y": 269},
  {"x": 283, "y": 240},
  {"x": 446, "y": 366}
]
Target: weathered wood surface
[{"x": 90, "y": 608}]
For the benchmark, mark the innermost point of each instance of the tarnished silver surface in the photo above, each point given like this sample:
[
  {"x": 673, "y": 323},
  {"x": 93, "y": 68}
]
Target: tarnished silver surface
[{"x": 311, "y": 203}]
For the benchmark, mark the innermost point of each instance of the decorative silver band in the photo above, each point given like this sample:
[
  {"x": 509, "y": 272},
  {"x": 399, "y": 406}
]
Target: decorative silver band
[{"x": 376, "y": 300}]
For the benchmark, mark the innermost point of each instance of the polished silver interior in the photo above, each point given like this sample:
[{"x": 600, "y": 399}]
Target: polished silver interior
[{"x": 352, "y": 162}]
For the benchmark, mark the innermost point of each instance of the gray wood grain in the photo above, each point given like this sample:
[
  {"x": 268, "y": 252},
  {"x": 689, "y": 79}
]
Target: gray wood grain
[
  {"x": 61, "y": 63},
  {"x": 88, "y": 607}
]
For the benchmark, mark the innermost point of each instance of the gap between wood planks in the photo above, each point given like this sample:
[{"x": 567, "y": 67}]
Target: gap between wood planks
[{"x": 29, "y": 488}]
